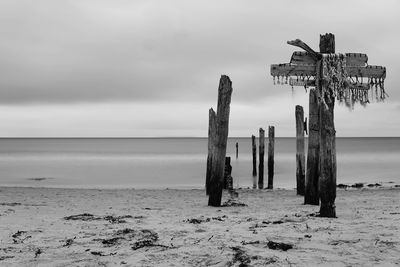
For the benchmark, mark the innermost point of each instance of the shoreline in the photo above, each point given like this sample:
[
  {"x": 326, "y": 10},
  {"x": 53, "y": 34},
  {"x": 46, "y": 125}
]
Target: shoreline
[{"x": 345, "y": 186}]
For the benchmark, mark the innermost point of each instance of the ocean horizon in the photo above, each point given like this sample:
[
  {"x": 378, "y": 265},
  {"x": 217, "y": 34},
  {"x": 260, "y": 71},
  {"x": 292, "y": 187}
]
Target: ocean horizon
[{"x": 175, "y": 162}]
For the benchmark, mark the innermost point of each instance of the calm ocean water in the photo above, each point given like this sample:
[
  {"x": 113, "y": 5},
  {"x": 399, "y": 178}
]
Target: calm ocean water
[{"x": 175, "y": 162}]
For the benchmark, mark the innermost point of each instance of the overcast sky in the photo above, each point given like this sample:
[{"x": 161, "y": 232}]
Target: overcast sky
[{"x": 151, "y": 68}]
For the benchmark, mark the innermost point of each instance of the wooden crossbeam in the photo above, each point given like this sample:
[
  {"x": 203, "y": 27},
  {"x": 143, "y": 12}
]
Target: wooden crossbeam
[
  {"x": 377, "y": 72},
  {"x": 288, "y": 69},
  {"x": 292, "y": 70},
  {"x": 352, "y": 59},
  {"x": 307, "y": 83},
  {"x": 356, "y": 59}
]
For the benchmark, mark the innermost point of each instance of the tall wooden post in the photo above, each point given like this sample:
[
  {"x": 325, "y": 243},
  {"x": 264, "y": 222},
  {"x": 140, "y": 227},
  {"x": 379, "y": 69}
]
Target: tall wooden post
[
  {"x": 271, "y": 147},
  {"x": 312, "y": 174},
  {"x": 211, "y": 141},
  {"x": 327, "y": 180},
  {"x": 261, "y": 159},
  {"x": 300, "y": 157},
  {"x": 254, "y": 150},
  {"x": 219, "y": 153}
]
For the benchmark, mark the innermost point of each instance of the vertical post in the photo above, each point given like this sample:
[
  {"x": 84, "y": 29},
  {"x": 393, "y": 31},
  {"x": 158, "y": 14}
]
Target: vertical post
[
  {"x": 237, "y": 149},
  {"x": 271, "y": 147},
  {"x": 228, "y": 180},
  {"x": 327, "y": 180},
  {"x": 300, "y": 157},
  {"x": 261, "y": 159},
  {"x": 312, "y": 175},
  {"x": 254, "y": 150},
  {"x": 211, "y": 140},
  {"x": 219, "y": 153}
]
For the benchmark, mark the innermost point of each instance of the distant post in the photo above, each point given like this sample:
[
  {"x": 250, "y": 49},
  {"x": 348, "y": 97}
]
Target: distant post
[
  {"x": 300, "y": 157},
  {"x": 261, "y": 159},
  {"x": 215, "y": 184},
  {"x": 312, "y": 174},
  {"x": 254, "y": 150},
  {"x": 271, "y": 147},
  {"x": 237, "y": 149}
]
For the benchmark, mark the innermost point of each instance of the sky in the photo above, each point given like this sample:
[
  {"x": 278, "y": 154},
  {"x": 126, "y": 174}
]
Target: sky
[{"x": 147, "y": 68}]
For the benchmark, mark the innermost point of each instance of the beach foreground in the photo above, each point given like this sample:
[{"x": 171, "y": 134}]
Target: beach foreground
[{"x": 177, "y": 228}]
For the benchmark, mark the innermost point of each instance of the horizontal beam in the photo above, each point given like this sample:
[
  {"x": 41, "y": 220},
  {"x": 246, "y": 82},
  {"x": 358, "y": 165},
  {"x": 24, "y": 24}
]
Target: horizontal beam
[
  {"x": 376, "y": 72},
  {"x": 356, "y": 59},
  {"x": 307, "y": 83},
  {"x": 292, "y": 70},
  {"x": 352, "y": 59}
]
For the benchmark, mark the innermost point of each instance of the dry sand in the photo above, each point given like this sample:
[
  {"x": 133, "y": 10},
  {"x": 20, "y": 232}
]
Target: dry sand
[{"x": 177, "y": 228}]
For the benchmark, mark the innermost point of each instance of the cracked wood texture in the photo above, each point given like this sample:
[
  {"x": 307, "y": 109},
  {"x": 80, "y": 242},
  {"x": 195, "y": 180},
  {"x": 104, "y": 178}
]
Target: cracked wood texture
[
  {"x": 261, "y": 149},
  {"x": 300, "y": 156},
  {"x": 327, "y": 160},
  {"x": 271, "y": 162},
  {"x": 312, "y": 174},
  {"x": 220, "y": 140}
]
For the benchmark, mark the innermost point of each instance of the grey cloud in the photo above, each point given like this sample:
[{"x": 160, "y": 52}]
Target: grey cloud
[{"x": 71, "y": 51}]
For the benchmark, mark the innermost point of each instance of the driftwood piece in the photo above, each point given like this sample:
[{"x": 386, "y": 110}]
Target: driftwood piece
[
  {"x": 254, "y": 151},
  {"x": 271, "y": 163},
  {"x": 261, "y": 148},
  {"x": 300, "y": 156},
  {"x": 211, "y": 141},
  {"x": 221, "y": 137},
  {"x": 312, "y": 174},
  {"x": 301, "y": 44},
  {"x": 327, "y": 180}
]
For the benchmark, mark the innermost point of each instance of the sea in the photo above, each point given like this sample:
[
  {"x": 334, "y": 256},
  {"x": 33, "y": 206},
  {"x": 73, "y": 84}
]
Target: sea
[{"x": 159, "y": 163}]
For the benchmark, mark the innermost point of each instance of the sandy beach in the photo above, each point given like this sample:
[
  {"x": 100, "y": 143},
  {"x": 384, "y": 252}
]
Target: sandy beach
[{"x": 39, "y": 227}]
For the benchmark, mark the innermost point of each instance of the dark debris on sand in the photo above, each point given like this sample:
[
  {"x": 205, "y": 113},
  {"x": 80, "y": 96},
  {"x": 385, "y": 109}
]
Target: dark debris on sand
[
  {"x": 233, "y": 203},
  {"x": 279, "y": 246},
  {"x": 91, "y": 217},
  {"x": 240, "y": 257},
  {"x": 201, "y": 220}
]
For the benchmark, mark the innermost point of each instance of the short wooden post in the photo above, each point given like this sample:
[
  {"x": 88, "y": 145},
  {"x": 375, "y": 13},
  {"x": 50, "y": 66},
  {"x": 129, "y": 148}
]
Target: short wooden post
[
  {"x": 211, "y": 140},
  {"x": 219, "y": 151},
  {"x": 312, "y": 174},
  {"x": 300, "y": 156},
  {"x": 327, "y": 180},
  {"x": 228, "y": 180},
  {"x": 261, "y": 149},
  {"x": 271, "y": 147},
  {"x": 254, "y": 150},
  {"x": 237, "y": 149}
]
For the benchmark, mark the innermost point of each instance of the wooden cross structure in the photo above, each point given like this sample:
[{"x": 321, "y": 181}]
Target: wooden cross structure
[{"x": 343, "y": 77}]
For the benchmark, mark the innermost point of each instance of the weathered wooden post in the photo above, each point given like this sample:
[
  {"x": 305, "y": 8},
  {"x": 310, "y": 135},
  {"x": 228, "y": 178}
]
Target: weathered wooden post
[
  {"x": 221, "y": 136},
  {"x": 237, "y": 149},
  {"x": 254, "y": 150},
  {"x": 334, "y": 76},
  {"x": 300, "y": 156},
  {"x": 312, "y": 174},
  {"x": 271, "y": 147},
  {"x": 327, "y": 146},
  {"x": 211, "y": 140},
  {"x": 228, "y": 180},
  {"x": 261, "y": 146}
]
